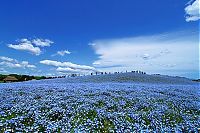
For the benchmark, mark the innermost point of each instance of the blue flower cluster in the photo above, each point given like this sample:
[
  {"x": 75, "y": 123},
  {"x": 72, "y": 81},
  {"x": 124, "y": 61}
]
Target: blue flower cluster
[{"x": 56, "y": 106}]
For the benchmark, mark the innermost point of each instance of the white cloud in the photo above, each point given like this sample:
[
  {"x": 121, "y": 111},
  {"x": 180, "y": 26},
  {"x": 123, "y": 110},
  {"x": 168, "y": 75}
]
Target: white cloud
[
  {"x": 153, "y": 54},
  {"x": 42, "y": 42},
  {"x": 10, "y": 64},
  {"x": 62, "y": 53},
  {"x": 32, "y": 46},
  {"x": 156, "y": 55},
  {"x": 66, "y": 69},
  {"x": 26, "y": 45},
  {"x": 26, "y": 64},
  {"x": 6, "y": 59},
  {"x": 192, "y": 11},
  {"x": 68, "y": 65},
  {"x": 13, "y": 63},
  {"x": 17, "y": 65}
]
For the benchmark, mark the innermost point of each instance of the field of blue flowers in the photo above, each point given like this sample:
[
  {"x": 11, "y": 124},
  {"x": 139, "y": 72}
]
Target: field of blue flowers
[{"x": 58, "y": 105}]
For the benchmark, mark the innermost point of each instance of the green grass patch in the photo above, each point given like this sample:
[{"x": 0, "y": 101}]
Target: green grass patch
[
  {"x": 107, "y": 125},
  {"x": 81, "y": 117},
  {"x": 91, "y": 114},
  {"x": 99, "y": 104},
  {"x": 129, "y": 119},
  {"x": 8, "y": 116},
  {"x": 55, "y": 116},
  {"x": 144, "y": 109},
  {"x": 42, "y": 128},
  {"x": 146, "y": 119},
  {"x": 28, "y": 121},
  {"x": 112, "y": 108},
  {"x": 172, "y": 118}
]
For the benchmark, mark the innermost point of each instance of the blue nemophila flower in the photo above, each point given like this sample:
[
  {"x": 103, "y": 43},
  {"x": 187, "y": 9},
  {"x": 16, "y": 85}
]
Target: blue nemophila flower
[{"x": 57, "y": 106}]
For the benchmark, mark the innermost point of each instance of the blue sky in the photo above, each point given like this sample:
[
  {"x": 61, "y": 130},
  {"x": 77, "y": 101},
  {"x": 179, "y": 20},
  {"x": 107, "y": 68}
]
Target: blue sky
[{"x": 75, "y": 36}]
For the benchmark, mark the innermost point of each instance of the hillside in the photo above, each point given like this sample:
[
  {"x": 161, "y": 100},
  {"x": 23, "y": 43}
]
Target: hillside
[
  {"x": 126, "y": 77},
  {"x": 73, "y": 104}
]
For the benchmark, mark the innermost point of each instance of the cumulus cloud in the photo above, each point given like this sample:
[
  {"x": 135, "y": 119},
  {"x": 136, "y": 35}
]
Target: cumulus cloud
[
  {"x": 10, "y": 64},
  {"x": 13, "y": 63},
  {"x": 26, "y": 64},
  {"x": 67, "y": 70},
  {"x": 149, "y": 53},
  {"x": 6, "y": 58},
  {"x": 67, "y": 66},
  {"x": 62, "y": 53},
  {"x": 26, "y": 45},
  {"x": 17, "y": 65},
  {"x": 192, "y": 11},
  {"x": 32, "y": 46},
  {"x": 42, "y": 42}
]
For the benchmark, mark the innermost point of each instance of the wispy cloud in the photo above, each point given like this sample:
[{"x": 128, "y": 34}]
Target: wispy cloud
[
  {"x": 62, "y": 53},
  {"x": 150, "y": 53},
  {"x": 67, "y": 66},
  {"x": 13, "y": 63},
  {"x": 156, "y": 55},
  {"x": 32, "y": 46},
  {"x": 3, "y": 58},
  {"x": 192, "y": 11},
  {"x": 42, "y": 42}
]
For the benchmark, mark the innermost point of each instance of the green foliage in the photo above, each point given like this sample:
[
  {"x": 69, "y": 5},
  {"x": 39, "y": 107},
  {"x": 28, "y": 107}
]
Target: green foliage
[
  {"x": 21, "y": 77},
  {"x": 2, "y": 77},
  {"x": 91, "y": 114},
  {"x": 28, "y": 121},
  {"x": 107, "y": 125},
  {"x": 56, "y": 116},
  {"x": 42, "y": 128},
  {"x": 39, "y": 77},
  {"x": 99, "y": 104},
  {"x": 129, "y": 119},
  {"x": 172, "y": 118},
  {"x": 146, "y": 120}
]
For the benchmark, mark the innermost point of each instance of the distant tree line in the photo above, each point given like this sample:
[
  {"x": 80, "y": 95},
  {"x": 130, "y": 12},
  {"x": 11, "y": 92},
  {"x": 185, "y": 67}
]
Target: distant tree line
[
  {"x": 28, "y": 77},
  {"x": 94, "y": 73},
  {"x": 22, "y": 77},
  {"x": 196, "y": 80},
  {"x": 102, "y": 73}
]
